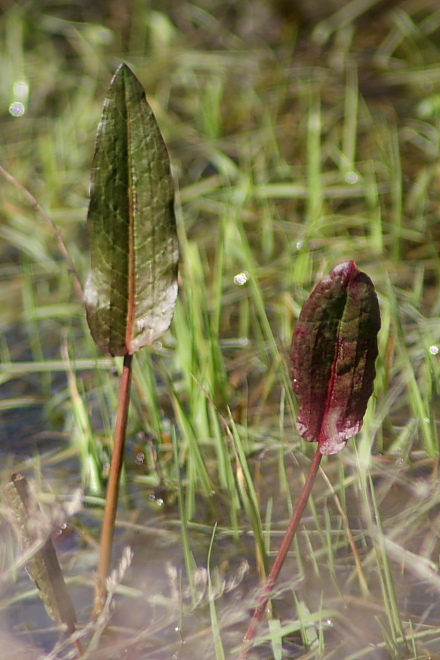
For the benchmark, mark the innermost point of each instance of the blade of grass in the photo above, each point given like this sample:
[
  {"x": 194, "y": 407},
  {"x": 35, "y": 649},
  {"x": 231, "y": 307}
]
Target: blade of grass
[
  {"x": 249, "y": 496},
  {"x": 33, "y": 202},
  {"x": 415, "y": 399},
  {"x": 216, "y": 633},
  {"x": 281, "y": 556},
  {"x": 190, "y": 563},
  {"x": 83, "y": 434},
  {"x": 391, "y": 605}
]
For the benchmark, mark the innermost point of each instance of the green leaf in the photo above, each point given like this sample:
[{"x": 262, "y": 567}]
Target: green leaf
[{"x": 132, "y": 286}]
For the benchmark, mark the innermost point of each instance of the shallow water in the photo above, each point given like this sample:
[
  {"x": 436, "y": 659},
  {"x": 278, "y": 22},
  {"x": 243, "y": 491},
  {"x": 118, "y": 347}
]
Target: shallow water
[{"x": 157, "y": 616}]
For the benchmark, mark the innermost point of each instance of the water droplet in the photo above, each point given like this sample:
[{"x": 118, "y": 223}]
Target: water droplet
[
  {"x": 20, "y": 94},
  {"x": 434, "y": 350},
  {"x": 300, "y": 245},
  {"x": 17, "y": 109},
  {"x": 351, "y": 177},
  {"x": 241, "y": 278}
]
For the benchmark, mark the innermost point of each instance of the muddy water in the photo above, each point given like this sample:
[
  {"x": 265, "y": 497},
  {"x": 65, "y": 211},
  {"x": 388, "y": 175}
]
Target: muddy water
[
  {"x": 157, "y": 616},
  {"x": 155, "y": 613}
]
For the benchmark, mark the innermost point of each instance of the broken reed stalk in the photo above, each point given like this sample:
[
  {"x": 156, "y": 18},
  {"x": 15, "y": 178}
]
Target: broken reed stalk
[
  {"x": 281, "y": 556},
  {"x": 111, "y": 503},
  {"x": 43, "y": 565}
]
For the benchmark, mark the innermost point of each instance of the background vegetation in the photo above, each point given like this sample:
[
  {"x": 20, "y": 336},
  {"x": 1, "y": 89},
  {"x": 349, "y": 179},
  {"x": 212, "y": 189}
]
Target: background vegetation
[{"x": 301, "y": 136}]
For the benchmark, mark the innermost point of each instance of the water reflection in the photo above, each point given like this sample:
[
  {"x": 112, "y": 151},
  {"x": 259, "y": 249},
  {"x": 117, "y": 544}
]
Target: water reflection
[{"x": 156, "y": 614}]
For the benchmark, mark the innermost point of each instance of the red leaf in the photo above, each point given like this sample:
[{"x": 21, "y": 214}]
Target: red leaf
[{"x": 333, "y": 354}]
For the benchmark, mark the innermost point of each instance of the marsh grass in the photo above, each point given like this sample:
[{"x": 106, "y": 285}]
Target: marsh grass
[{"x": 296, "y": 145}]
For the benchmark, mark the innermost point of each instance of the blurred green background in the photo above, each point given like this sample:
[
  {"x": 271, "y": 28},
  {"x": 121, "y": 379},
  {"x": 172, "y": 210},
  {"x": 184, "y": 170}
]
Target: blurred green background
[{"x": 301, "y": 135}]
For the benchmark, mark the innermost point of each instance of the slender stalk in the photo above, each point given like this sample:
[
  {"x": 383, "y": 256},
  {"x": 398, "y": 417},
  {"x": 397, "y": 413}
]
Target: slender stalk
[
  {"x": 281, "y": 557},
  {"x": 111, "y": 503},
  {"x": 79, "y": 648}
]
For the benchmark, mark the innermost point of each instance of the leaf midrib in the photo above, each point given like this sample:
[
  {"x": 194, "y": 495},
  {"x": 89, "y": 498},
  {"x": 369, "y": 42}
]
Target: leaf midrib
[
  {"x": 131, "y": 262},
  {"x": 323, "y": 431}
]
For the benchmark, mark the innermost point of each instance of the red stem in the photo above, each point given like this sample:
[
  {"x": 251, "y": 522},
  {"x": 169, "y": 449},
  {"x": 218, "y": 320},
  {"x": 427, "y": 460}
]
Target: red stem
[
  {"x": 111, "y": 503},
  {"x": 79, "y": 649},
  {"x": 281, "y": 556}
]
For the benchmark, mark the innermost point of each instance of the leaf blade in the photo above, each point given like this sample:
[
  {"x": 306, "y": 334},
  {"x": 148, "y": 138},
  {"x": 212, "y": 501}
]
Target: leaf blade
[
  {"x": 333, "y": 354},
  {"x": 132, "y": 285}
]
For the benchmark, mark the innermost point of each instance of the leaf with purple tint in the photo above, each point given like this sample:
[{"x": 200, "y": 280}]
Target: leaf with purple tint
[{"x": 333, "y": 355}]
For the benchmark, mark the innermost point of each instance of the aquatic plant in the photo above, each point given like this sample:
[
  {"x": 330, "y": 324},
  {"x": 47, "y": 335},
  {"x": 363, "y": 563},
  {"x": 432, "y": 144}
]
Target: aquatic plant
[
  {"x": 332, "y": 365},
  {"x": 132, "y": 286}
]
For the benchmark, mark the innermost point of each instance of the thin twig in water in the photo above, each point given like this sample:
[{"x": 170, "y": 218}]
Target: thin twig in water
[{"x": 31, "y": 199}]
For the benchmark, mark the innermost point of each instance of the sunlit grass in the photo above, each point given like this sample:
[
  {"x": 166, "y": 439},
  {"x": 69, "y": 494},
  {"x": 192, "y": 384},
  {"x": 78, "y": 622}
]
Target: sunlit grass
[{"x": 290, "y": 158}]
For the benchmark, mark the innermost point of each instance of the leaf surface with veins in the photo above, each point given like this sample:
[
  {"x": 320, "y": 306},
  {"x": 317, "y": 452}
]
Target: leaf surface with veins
[
  {"x": 132, "y": 286},
  {"x": 333, "y": 355}
]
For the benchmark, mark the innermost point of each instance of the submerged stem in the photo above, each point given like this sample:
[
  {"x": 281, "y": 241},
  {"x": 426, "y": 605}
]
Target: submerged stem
[
  {"x": 281, "y": 557},
  {"x": 111, "y": 503}
]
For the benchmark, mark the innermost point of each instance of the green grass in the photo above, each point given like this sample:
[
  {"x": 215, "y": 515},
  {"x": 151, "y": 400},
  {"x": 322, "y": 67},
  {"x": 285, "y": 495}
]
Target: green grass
[{"x": 297, "y": 143}]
